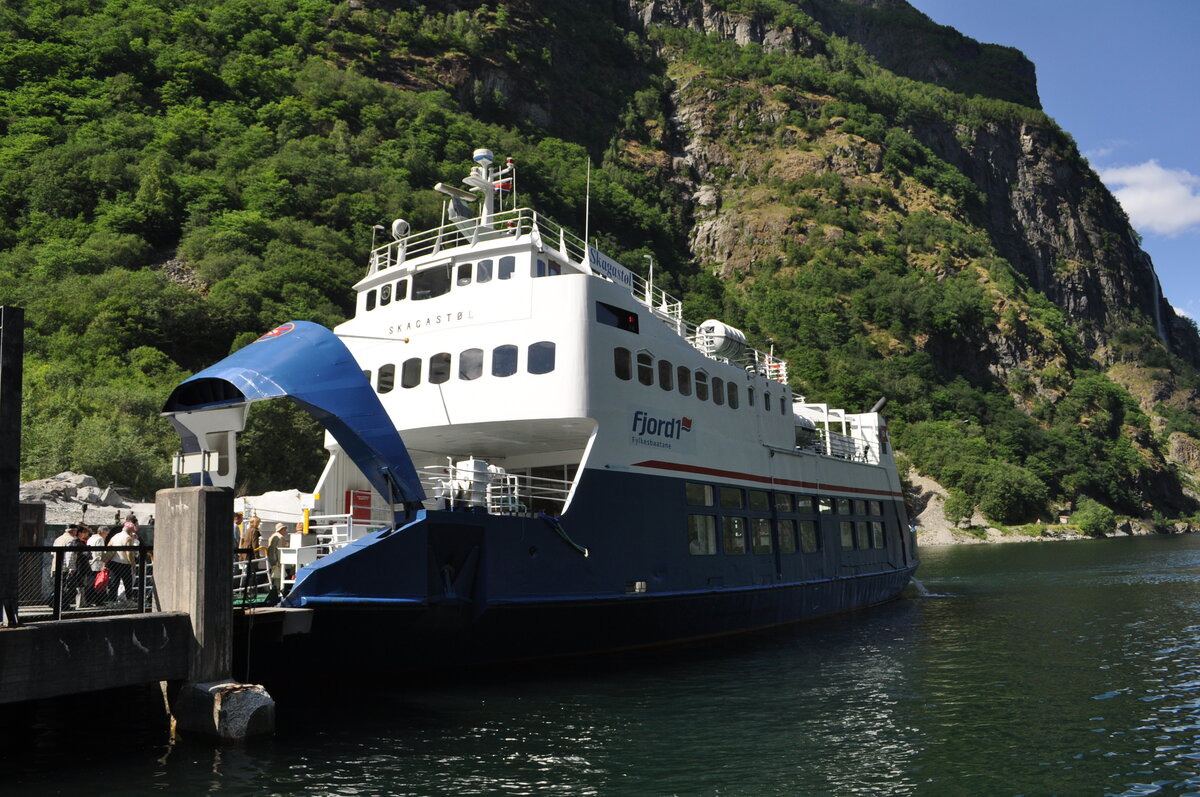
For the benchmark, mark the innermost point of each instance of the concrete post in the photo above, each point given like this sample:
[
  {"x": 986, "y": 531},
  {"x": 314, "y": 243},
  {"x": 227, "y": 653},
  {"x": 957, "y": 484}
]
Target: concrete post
[
  {"x": 12, "y": 352},
  {"x": 193, "y": 573}
]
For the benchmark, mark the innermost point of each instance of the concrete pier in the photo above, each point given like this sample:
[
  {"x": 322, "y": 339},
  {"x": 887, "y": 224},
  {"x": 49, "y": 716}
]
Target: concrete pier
[{"x": 193, "y": 568}]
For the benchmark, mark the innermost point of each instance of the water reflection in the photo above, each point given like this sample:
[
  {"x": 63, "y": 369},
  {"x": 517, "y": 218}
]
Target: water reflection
[{"x": 1027, "y": 669}]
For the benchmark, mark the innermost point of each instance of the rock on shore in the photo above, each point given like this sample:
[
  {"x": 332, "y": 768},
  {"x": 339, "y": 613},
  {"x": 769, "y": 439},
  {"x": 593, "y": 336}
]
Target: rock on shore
[{"x": 66, "y": 495}]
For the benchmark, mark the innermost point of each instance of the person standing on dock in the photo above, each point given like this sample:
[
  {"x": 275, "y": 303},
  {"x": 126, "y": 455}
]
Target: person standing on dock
[
  {"x": 99, "y": 561},
  {"x": 75, "y": 584},
  {"x": 61, "y": 541},
  {"x": 237, "y": 528},
  {"x": 120, "y": 567},
  {"x": 277, "y": 541}
]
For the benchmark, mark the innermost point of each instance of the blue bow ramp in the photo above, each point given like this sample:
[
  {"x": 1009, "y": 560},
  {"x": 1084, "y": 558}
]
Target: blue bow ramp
[{"x": 310, "y": 365}]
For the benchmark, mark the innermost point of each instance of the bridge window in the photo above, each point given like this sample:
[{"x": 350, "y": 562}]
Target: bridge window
[
  {"x": 783, "y": 502},
  {"x": 645, "y": 367},
  {"x": 401, "y": 290},
  {"x": 666, "y": 375},
  {"x": 847, "y": 529},
  {"x": 544, "y": 268},
  {"x": 623, "y": 363},
  {"x": 540, "y": 359},
  {"x": 470, "y": 364},
  {"x": 733, "y": 395},
  {"x": 702, "y": 535},
  {"x": 385, "y": 295},
  {"x": 750, "y": 396},
  {"x": 370, "y": 300},
  {"x": 861, "y": 534},
  {"x": 464, "y": 274},
  {"x": 702, "y": 385},
  {"x": 410, "y": 375},
  {"x": 439, "y": 368},
  {"x": 718, "y": 392},
  {"x": 684, "y": 377},
  {"x": 787, "y": 536},
  {"x": 508, "y": 265},
  {"x": 431, "y": 283},
  {"x": 767, "y": 402},
  {"x": 760, "y": 501},
  {"x": 876, "y": 534},
  {"x": 613, "y": 316},
  {"x": 387, "y": 378},
  {"x": 504, "y": 360},
  {"x": 483, "y": 271}
]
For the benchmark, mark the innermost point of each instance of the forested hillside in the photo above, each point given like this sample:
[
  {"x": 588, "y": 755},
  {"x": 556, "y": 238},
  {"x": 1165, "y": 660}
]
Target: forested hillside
[{"x": 877, "y": 195}]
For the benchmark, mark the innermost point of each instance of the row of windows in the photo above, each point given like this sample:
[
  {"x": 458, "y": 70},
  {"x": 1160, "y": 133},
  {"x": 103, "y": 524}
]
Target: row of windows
[
  {"x": 739, "y": 535},
  {"x": 437, "y": 281},
  {"x": 539, "y": 359},
  {"x": 763, "y": 501},
  {"x": 684, "y": 380}
]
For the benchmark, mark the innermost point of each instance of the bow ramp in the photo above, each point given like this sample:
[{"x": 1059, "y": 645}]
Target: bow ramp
[{"x": 309, "y": 365}]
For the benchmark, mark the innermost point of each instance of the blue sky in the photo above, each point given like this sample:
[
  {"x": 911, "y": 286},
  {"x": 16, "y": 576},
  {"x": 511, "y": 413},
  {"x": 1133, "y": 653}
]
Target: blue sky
[{"x": 1122, "y": 79}]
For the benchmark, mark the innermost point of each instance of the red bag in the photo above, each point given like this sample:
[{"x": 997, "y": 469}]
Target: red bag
[{"x": 101, "y": 582}]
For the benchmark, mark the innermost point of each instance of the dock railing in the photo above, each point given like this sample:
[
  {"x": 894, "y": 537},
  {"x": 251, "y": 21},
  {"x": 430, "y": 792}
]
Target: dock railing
[{"x": 52, "y": 583}]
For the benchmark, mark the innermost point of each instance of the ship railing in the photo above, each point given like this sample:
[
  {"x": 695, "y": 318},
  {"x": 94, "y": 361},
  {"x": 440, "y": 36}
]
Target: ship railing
[
  {"x": 841, "y": 446},
  {"x": 498, "y": 492}
]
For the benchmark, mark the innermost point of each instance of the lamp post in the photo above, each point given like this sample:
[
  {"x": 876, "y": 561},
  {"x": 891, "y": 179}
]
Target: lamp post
[{"x": 650, "y": 281}]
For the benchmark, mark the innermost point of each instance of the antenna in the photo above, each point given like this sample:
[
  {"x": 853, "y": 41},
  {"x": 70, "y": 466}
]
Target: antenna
[{"x": 587, "y": 201}]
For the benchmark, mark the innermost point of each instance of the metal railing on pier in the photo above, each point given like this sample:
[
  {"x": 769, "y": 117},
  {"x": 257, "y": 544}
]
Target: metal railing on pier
[{"x": 54, "y": 582}]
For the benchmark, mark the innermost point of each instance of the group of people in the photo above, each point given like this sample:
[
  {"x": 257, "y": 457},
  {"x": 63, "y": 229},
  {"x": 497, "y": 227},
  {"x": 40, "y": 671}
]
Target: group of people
[
  {"x": 248, "y": 543},
  {"x": 89, "y": 554}
]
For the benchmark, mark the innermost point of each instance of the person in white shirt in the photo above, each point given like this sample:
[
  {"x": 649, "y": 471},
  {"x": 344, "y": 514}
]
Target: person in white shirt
[{"x": 120, "y": 566}]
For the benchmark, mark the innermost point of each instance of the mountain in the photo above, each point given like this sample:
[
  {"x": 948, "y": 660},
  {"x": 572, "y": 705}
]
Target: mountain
[{"x": 877, "y": 195}]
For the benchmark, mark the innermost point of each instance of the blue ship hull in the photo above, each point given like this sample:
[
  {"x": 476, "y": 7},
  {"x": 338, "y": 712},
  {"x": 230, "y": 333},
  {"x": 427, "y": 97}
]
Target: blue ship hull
[{"x": 465, "y": 588}]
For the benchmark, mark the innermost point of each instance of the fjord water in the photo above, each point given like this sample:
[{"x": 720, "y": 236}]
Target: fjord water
[{"x": 1056, "y": 668}]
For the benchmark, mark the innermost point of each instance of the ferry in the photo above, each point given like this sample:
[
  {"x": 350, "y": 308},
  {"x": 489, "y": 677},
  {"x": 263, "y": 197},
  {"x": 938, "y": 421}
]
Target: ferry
[{"x": 537, "y": 456}]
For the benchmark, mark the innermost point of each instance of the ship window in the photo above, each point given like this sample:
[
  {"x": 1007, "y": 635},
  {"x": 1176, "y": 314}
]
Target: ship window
[
  {"x": 760, "y": 537},
  {"x": 861, "y": 534},
  {"x": 470, "y": 364},
  {"x": 876, "y": 508},
  {"x": 483, "y": 271},
  {"x": 616, "y": 317},
  {"x": 782, "y": 405},
  {"x": 439, "y": 368},
  {"x": 542, "y": 268},
  {"x": 387, "y": 378},
  {"x": 702, "y": 386},
  {"x": 401, "y": 290},
  {"x": 733, "y": 395},
  {"x": 760, "y": 501},
  {"x": 787, "y": 536},
  {"x": 464, "y": 274},
  {"x": 731, "y": 498},
  {"x": 733, "y": 534},
  {"x": 385, "y": 295},
  {"x": 410, "y": 376},
  {"x": 431, "y": 283},
  {"x": 540, "y": 359},
  {"x": 718, "y": 392},
  {"x": 508, "y": 265},
  {"x": 370, "y": 300},
  {"x": 860, "y": 506},
  {"x": 783, "y": 502},
  {"x": 843, "y": 506},
  {"x": 806, "y": 503},
  {"x": 826, "y": 505},
  {"x": 645, "y": 365},
  {"x": 666, "y": 375},
  {"x": 767, "y": 402},
  {"x": 684, "y": 377},
  {"x": 623, "y": 363},
  {"x": 876, "y": 534},
  {"x": 847, "y": 535},
  {"x": 698, "y": 494},
  {"x": 750, "y": 396},
  {"x": 809, "y": 541},
  {"x": 702, "y": 534},
  {"x": 504, "y": 360}
]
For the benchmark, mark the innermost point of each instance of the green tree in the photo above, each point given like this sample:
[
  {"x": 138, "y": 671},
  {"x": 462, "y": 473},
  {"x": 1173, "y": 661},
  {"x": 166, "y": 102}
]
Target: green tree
[
  {"x": 1094, "y": 519},
  {"x": 958, "y": 507}
]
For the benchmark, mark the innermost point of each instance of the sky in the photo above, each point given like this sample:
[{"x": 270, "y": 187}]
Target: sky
[{"x": 1123, "y": 78}]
